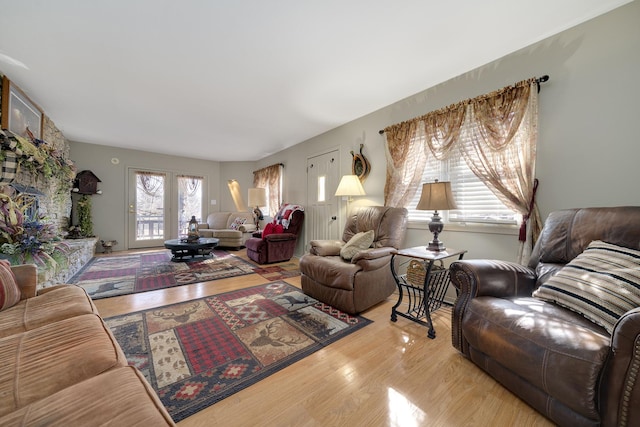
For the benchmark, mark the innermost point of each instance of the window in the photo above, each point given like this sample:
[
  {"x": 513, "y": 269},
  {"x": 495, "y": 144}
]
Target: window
[
  {"x": 321, "y": 188},
  {"x": 189, "y": 201},
  {"x": 476, "y": 203},
  {"x": 271, "y": 179}
]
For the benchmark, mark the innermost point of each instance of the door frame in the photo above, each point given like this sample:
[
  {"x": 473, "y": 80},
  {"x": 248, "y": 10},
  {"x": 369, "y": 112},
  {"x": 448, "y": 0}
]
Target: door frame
[
  {"x": 337, "y": 200},
  {"x": 171, "y": 216}
]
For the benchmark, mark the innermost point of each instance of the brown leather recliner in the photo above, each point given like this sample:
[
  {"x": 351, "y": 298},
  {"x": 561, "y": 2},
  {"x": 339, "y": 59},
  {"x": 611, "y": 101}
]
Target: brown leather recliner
[
  {"x": 364, "y": 281},
  {"x": 565, "y": 366}
]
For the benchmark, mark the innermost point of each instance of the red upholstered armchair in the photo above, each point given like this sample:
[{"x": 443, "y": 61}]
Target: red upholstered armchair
[{"x": 277, "y": 246}]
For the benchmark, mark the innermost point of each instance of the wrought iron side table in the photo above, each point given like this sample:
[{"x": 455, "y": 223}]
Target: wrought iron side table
[{"x": 423, "y": 299}]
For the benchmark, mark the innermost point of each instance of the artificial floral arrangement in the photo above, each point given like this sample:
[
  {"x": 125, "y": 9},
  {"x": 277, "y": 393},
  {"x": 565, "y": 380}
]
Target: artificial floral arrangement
[
  {"x": 29, "y": 241},
  {"x": 36, "y": 156}
]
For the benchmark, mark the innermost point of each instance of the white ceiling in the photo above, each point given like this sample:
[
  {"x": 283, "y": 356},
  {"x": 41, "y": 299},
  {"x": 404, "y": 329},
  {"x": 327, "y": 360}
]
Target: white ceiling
[{"x": 239, "y": 80}]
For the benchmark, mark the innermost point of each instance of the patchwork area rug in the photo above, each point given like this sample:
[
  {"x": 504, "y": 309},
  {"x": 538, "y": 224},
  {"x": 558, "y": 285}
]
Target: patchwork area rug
[
  {"x": 119, "y": 275},
  {"x": 199, "y": 352}
]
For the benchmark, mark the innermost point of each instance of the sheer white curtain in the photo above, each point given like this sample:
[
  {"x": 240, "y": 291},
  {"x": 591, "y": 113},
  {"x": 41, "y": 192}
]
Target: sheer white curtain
[
  {"x": 270, "y": 178},
  {"x": 496, "y": 134}
]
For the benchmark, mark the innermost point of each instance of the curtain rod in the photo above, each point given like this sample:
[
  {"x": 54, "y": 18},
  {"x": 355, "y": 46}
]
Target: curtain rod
[
  {"x": 275, "y": 164},
  {"x": 539, "y": 80}
]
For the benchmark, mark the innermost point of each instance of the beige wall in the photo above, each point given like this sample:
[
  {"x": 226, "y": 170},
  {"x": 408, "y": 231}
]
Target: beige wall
[
  {"x": 110, "y": 208},
  {"x": 588, "y": 146},
  {"x": 588, "y": 149}
]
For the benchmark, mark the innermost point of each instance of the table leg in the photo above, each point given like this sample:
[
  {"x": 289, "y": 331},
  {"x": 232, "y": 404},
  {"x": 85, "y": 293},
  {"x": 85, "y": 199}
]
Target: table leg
[{"x": 394, "y": 315}]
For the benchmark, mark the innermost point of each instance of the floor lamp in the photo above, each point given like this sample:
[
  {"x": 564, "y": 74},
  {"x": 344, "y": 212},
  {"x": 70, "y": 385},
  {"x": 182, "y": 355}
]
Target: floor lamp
[{"x": 349, "y": 186}]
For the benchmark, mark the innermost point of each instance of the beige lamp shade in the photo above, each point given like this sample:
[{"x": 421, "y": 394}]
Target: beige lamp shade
[
  {"x": 436, "y": 196},
  {"x": 257, "y": 197},
  {"x": 350, "y": 185}
]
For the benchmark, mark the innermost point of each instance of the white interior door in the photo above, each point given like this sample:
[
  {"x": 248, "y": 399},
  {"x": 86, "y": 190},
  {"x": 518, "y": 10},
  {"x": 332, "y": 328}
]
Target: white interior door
[{"x": 323, "y": 174}]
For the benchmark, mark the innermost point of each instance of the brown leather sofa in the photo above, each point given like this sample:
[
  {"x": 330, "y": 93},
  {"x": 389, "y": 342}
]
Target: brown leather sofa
[
  {"x": 565, "y": 366},
  {"x": 354, "y": 286},
  {"x": 61, "y": 365}
]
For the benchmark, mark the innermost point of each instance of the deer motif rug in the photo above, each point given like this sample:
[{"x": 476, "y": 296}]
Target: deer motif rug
[
  {"x": 110, "y": 276},
  {"x": 198, "y": 352}
]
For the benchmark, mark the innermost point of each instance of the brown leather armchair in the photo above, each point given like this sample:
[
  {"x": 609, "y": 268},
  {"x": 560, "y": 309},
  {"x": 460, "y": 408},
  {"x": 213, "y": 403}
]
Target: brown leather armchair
[
  {"x": 565, "y": 366},
  {"x": 276, "y": 247},
  {"x": 364, "y": 281}
]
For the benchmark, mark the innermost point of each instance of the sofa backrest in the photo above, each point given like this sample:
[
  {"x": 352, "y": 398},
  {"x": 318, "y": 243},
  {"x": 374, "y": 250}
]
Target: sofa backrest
[
  {"x": 223, "y": 220},
  {"x": 248, "y": 218},
  {"x": 389, "y": 224},
  {"x": 218, "y": 220},
  {"x": 567, "y": 233}
]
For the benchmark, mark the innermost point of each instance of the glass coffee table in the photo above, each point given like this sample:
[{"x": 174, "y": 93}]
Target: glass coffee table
[{"x": 180, "y": 248}]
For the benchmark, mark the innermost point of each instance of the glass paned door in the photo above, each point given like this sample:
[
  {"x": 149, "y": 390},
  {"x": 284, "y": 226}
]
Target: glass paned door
[
  {"x": 148, "y": 212},
  {"x": 189, "y": 201}
]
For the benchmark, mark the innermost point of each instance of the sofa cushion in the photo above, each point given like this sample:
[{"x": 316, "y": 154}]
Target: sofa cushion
[
  {"x": 43, "y": 361},
  {"x": 120, "y": 397},
  {"x": 602, "y": 283},
  {"x": 9, "y": 290},
  {"x": 359, "y": 242},
  {"x": 226, "y": 234},
  {"x": 544, "y": 344},
  {"x": 51, "y": 305},
  {"x": 218, "y": 220},
  {"x": 235, "y": 225},
  {"x": 237, "y": 216}
]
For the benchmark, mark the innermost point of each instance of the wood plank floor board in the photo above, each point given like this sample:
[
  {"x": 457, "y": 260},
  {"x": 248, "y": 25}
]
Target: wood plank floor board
[{"x": 386, "y": 374}]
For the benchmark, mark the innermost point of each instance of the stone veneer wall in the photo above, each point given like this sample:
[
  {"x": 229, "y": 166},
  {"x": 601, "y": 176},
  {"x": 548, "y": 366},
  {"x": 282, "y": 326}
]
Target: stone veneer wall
[
  {"x": 56, "y": 206},
  {"x": 81, "y": 252},
  {"x": 56, "y": 202}
]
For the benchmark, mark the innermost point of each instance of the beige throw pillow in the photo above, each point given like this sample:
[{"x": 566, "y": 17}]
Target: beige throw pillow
[{"x": 357, "y": 243}]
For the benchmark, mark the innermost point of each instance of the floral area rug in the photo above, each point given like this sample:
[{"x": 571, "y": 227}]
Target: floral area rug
[
  {"x": 199, "y": 352},
  {"x": 120, "y": 275}
]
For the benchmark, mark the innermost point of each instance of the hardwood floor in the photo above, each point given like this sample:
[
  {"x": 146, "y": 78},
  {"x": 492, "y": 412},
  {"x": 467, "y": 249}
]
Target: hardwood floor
[{"x": 386, "y": 374}]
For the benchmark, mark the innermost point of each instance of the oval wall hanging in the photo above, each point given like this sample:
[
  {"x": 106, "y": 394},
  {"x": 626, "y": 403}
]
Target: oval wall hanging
[{"x": 360, "y": 165}]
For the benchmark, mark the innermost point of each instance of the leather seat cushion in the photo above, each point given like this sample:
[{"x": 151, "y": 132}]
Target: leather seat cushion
[
  {"x": 543, "y": 343},
  {"x": 331, "y": 271}
]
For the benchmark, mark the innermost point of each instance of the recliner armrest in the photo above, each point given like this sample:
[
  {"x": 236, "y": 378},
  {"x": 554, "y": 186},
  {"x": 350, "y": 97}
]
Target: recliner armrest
[
  {"x": 326, "y": 247},
  {"x": 621, "y": 378},
  {"x": 280, "y": 237},
  {"x": 373, "y": 253},
  {"x": 482, "y": 277}
]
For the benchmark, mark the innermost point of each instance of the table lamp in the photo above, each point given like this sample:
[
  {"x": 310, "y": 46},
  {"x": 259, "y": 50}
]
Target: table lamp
[
  {"x": 257, "y": 197},
  {"x": 436, "y": 195}
]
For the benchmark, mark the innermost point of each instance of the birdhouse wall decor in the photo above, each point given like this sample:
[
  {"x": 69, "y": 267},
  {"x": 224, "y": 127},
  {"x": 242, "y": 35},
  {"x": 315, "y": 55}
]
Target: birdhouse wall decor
[{"x": 86, "y": 183}]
